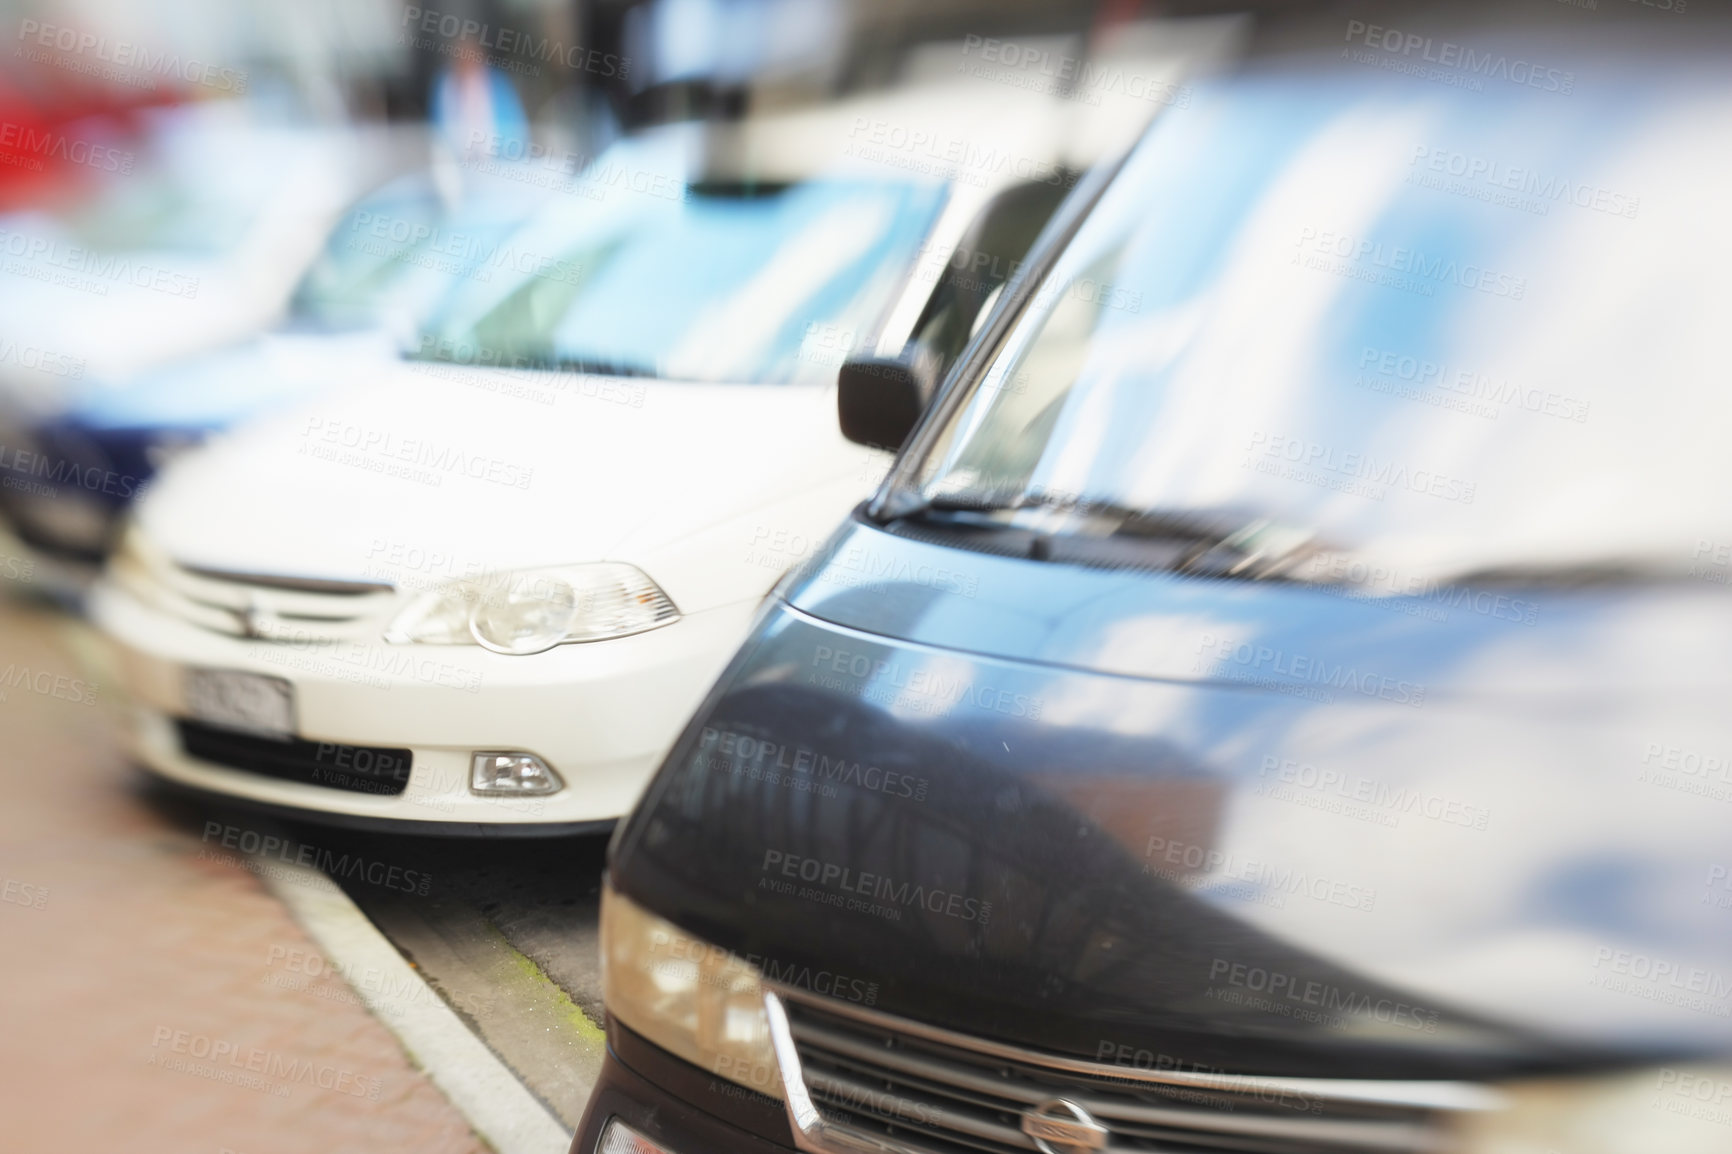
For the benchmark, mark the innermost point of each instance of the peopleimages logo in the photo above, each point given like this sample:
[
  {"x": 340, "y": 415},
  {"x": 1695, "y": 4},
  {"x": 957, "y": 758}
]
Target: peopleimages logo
[
  {"x": 1414, "y": 594},
  {"x": 728, "y": 751},
  {"x": 1264, "y": 883},
  {"x": 46, "y": 259},
  {"x": 679, "y": 951},
  {"x": 1663, "y": 980},
  {"x": 300, "y": 970},
  {"x": 1349, "y": 471},
  {"x": 422, "y": 245},
  {"x": 1302, "y": 668},
  {"x": 38, "y": 144},
  {"x": 1415, "y": 48},
  {"x": 1072, "y": 77},
  {"x": 257, "y": 846},
  {"x": 1470, "y": 385},
  {"x": 957, "y": 157},
  {"x": 1719, "y": 878},
  {"x": 1310, "y": 1000},
  {"x": 45, "y": 683},
  {"x": 1694, "y": 1094},
  {"x": 412, "y": 458},
  {"x": 491, "y": 43},
  {"x": 1488, "y": 179},
  {"x": 1398, "y": 266},
  {"x": 1369, "y": 793},
  {"x": 587, "y": 175},
  {"x": 265, "y": 1064},
  {"x": 857, "y": 565},
  {"x": 35, "y": 897},
  {"x": 119, "y": 55},
  {"x": 857, "y": 888},
  {"x": 21, "y": 463},
  {"x": 42, "y": 360},
  {"x": 889, "y": 683}
]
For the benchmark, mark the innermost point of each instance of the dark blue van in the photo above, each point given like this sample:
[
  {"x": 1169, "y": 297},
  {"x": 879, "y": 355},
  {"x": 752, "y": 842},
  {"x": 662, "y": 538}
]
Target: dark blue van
[{"x": 1280, "y": 701}]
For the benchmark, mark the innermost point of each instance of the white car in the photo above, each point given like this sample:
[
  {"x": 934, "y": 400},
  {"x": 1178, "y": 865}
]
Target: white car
[
  {"x": 484, "y": 594},
  {"x": 399, "y": 252},
  {"x": 197, "y": 243}
]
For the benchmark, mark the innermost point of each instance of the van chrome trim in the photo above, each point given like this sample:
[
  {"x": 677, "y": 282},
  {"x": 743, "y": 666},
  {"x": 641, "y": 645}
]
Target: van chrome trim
[{"x": 1410, "y": 1128}]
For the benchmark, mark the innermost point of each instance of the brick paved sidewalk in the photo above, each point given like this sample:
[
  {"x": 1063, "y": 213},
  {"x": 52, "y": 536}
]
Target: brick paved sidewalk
[{"x": 152, "y": 999}]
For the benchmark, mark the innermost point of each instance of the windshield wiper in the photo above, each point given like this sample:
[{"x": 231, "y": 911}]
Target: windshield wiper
[
  {"x": 542, "y": 359},
  {"x": 1584, "y": 574},
  {"x": 1119, "y": 519},
  {"x": 1225, "y": 544},
  {"x": 601, "y": 366}
]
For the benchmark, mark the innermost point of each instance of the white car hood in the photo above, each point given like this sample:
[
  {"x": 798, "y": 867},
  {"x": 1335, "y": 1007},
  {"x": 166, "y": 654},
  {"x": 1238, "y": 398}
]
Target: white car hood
[{"x": 439, "y": 471}]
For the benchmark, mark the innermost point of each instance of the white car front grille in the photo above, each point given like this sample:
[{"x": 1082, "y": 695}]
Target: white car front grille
[{"x": 264, "y": 607}]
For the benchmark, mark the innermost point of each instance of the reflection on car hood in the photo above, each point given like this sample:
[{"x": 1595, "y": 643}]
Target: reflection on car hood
[
  {"x": 489, "y": 470},
  {"x": 1317, "y": 845},
  {"x": 112, "y": 327},
  {"x": 220, "y": 388}
]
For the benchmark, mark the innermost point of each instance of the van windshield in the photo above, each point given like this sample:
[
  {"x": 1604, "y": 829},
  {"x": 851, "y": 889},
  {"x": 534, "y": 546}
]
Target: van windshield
[
  {"x": 1334, "y": 317},
  {"x": 704, "y": 282}
]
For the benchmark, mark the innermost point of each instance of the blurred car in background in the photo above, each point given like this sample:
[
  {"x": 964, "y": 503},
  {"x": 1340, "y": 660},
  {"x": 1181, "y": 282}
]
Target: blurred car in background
[
  {"x": 382, "y": 270},
  {"x": 1275, "y": 705},
  {"x": 195, "y": 240},
  {"x": 570, "y": 505}
]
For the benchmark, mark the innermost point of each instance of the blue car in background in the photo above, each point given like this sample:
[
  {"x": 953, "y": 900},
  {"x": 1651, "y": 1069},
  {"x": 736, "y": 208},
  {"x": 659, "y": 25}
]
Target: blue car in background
[{"x": 65, "y": 477}]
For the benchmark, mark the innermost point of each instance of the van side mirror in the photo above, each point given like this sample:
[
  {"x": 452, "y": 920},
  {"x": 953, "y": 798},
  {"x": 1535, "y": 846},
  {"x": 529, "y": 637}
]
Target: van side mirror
[{"x": 879, "y": 399}]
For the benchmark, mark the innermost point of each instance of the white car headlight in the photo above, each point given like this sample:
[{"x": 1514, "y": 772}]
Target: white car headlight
[
  {"x": 533, "y": 610},
  {"x": 1676, "y": 1109},
  {"x": 694, "y": 1000}
]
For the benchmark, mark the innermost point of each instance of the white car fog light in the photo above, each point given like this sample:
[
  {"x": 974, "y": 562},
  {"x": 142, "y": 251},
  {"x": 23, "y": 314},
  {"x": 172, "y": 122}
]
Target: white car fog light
[
  {"x": 512, "y": 773},
  {"x": 618, "y": 1138}
]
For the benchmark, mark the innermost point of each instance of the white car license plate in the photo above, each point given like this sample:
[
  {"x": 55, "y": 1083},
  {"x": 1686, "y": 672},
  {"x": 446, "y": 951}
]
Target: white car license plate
[{"x": 249, "y": 701}]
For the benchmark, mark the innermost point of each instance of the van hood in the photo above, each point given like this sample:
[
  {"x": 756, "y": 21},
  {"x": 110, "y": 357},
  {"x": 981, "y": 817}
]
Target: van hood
[
  {"x": 439, "y": 470},
  {"x": 1471, "y": 847}
]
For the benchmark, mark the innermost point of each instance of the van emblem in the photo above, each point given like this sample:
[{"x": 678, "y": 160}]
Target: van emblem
[{"x": 1060, "y": 1126}]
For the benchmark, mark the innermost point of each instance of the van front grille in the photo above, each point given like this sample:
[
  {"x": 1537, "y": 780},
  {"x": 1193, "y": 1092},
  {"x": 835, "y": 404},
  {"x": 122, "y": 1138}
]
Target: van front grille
[{"x": 884, "y": 1084}]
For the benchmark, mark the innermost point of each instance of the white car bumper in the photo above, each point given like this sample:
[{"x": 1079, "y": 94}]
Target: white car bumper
[{"x": 602, "y": 714}]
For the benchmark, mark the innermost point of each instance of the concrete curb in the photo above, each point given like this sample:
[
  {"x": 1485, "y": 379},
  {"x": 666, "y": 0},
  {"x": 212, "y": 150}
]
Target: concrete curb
[{"x": 500, "y": 1108}]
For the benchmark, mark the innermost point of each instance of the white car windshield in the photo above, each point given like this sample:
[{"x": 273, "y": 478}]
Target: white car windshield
[
  {"x": 403, "y": 250},
  {"x": 704, "y": 282},
  {"x": 1441, "y": 329}
]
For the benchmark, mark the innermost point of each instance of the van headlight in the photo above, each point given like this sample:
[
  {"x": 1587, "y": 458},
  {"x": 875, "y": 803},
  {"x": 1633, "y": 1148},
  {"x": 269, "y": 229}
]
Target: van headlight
[
  {"x": 1682, "y": 1109},
  {"x": 532, "y": 610},
  {"x": 695, "y": 1000}
]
